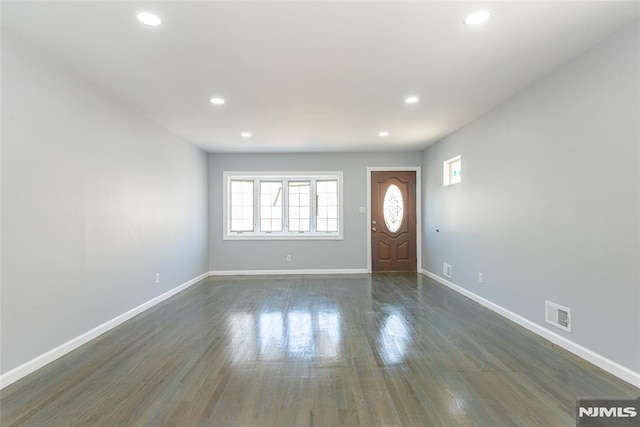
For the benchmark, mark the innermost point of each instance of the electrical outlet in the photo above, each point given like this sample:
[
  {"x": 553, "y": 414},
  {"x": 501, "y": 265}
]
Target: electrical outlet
[
  {"x": 479, "y": 277},
  {"x": 157, "y": 277},
  {"x": 288, "y": 257},
  {"x": 446, "y": 270}
]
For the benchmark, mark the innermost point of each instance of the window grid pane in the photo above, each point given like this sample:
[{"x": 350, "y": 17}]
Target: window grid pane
[
  {"x": 274, "y": 206},
  {"x": 299, "y": 206},
  {"x": 327, "y": 206},
  {"x": 455, "y": 170},
  {"x": 271, "y": 206},
  {"x": 241, "y": 206}
]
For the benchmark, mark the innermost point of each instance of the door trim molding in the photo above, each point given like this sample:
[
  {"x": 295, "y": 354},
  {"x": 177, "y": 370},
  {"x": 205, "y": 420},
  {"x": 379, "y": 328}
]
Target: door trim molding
[{"x": 418, "y": 171}]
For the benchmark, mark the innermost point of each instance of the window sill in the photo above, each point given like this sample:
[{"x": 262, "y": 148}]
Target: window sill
[{"x": 274, "y": 236}]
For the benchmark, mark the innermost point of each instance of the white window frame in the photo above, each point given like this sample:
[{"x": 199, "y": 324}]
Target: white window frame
[
  {"x": 446, "y": 171},
  {"x": 285, "y": 177}
]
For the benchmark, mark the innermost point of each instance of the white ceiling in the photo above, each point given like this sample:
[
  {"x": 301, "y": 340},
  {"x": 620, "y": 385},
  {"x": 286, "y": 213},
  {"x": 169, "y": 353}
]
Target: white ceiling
[{"x": 310, "y": 75}]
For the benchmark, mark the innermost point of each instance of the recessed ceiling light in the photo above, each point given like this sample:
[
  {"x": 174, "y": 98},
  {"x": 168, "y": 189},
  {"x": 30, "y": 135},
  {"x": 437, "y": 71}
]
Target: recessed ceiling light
[
  {"x": 246, "y": 134},
  {"x": 217, "y": 101},
  {"x": 384, "y": 133},
  {"x": 412, "y": 100},
  {"x": 149, "y": 18},
  {"x": 477, "y": 18}
]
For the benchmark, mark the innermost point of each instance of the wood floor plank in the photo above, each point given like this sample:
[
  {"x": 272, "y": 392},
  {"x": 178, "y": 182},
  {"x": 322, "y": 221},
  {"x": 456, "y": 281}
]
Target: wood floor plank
[{"x": 332, "y": 350}]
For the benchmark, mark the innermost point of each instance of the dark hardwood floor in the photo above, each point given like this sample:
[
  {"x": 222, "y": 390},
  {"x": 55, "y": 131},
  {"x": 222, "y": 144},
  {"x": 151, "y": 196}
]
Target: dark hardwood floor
[{"x": 387, "y": 349}]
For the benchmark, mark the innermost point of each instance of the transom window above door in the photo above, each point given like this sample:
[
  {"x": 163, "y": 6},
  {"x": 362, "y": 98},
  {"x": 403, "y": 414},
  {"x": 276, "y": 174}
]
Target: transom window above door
[{"x": 282, "y": 205}]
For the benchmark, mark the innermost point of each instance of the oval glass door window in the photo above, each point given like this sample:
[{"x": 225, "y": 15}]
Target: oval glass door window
[{"x": 393, "y": 208}]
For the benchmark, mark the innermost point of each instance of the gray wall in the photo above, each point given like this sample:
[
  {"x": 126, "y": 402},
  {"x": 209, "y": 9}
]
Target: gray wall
[
  {"x": 350, "y": 253},
  {"x": 95, "y": 201},
  {"x": 549, "y": 203}
]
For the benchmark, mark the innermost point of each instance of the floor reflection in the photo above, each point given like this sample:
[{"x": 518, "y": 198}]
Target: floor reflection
[
  {"x": 242, "y": 334},
  {"x": 271, "y": 336},
  {"x": 329, "y": 335},
  {"x": 301, "y": 344},
  {"x": 307, "y": 335},
  {"x": 271, "y": 332},
  {"x": 318, "y": 333},
  {"x": 393, "y": 339}
]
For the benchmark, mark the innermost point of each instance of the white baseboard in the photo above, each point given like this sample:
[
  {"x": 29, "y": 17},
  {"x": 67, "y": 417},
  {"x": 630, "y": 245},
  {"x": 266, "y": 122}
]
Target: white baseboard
[
  {"x": 608, "y": 365},
  {"x": 38, "y": 362},
  {"x": 274, "y": 272}
]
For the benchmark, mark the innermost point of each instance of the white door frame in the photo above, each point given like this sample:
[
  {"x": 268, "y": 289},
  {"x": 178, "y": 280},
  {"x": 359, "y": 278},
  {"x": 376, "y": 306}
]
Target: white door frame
[{"x": 418, "y": 171}]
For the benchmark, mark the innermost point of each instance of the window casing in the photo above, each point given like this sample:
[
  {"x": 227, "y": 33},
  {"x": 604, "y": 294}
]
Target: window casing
[
  {"x": 282, "y": 205},
  {"x": 452, "y": 171}
]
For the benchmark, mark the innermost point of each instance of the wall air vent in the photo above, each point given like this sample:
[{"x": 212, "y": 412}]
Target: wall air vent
[{"x": 557, "y": 315}]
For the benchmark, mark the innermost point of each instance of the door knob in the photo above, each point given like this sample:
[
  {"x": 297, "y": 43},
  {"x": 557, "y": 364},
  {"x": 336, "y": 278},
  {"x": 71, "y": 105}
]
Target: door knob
[
  {"x": 373, "y": 229},
  {"x": 373, "y": 222}
]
